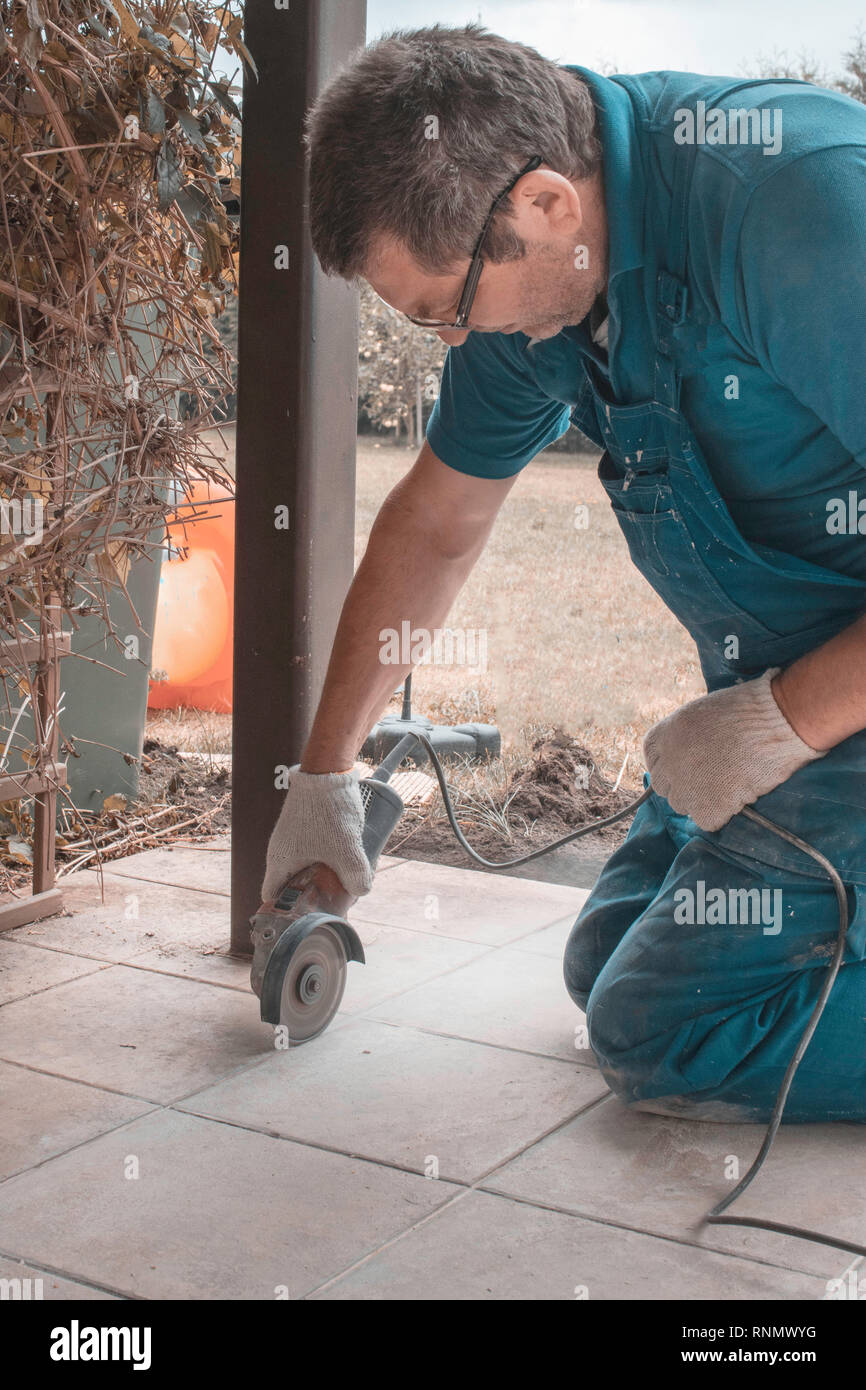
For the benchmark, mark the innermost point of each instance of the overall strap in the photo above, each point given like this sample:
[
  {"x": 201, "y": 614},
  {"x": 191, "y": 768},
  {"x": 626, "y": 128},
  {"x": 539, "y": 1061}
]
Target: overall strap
[{"x": 671, "y": 289}]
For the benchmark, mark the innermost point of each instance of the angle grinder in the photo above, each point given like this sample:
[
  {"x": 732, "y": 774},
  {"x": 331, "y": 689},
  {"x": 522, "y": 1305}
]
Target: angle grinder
[{"x": 302, "y": 942}]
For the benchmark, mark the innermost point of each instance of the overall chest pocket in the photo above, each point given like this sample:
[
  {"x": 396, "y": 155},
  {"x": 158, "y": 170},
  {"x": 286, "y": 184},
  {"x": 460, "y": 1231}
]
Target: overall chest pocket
[{"x": 663, "y": 549}]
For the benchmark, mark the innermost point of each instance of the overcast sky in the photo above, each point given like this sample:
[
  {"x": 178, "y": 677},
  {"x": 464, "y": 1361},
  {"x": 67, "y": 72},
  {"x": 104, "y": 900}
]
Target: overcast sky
[{"x": 642, "y": 35}]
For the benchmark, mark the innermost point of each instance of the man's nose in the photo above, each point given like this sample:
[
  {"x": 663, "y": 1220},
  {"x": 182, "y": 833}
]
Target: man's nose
[{"x": 453, "y": 337}]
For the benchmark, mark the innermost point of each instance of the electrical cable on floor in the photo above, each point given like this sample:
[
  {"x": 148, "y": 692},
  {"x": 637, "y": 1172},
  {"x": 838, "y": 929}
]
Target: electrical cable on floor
[{"x": 713, "y": 1217}]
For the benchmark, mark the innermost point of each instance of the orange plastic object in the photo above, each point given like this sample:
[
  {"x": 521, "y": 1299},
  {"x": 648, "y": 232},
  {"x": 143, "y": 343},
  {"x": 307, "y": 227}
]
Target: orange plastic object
[{"x": 193, "y": 633}]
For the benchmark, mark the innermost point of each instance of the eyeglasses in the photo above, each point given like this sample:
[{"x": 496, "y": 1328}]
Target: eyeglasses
[{"x": 477, "y": 264}]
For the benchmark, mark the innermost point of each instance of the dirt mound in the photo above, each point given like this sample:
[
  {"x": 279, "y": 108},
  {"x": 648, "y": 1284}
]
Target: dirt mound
[
  {"x": 563, "y": 785},
  {"x": 559, "y": 789}
]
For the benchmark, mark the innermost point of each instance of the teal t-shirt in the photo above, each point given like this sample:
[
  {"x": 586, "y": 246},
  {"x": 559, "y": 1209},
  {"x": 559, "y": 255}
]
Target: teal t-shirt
[{"x": 773, "y": 376}]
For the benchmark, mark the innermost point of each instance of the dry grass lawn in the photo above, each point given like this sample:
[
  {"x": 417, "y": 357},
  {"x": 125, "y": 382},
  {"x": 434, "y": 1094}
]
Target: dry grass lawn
[{"x": 575, "y": 635}]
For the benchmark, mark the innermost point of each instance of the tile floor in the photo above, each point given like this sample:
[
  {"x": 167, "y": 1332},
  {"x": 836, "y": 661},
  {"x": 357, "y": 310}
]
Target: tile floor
[{"x": 448, "y": 1137}]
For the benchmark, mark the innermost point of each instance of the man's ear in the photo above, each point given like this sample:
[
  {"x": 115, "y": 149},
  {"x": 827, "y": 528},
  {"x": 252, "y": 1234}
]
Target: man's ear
[{"x": 551, "y": 194}]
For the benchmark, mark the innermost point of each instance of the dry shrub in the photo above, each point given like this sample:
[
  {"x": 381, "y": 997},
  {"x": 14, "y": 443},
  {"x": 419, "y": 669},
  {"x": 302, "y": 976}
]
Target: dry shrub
[{"x": 118, "y": 147}]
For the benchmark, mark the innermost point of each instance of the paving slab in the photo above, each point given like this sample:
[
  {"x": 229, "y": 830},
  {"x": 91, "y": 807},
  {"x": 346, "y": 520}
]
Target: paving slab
[
  {"x": 181, "y": 866},
  {"x": 215, "y": 1211},
  {"x": 509, "y": 998},
  {"x": 550, "y": 941},
  {"x": 45, "y": 1115},
  {"x": 133, "y": 916},
  {"x": 398, "y": 960},
  {"x": 29, "y": 1284},
  {"x": 144, "y": 1034},
  {"x": 461, "y": 903},
  {"x": 490, "y": 1249},
  {"x": 662, "y": 1175},
  {"x": 26, "y": 969},
  {"x": 210, "y": 964},
  {"x": 401, "y": 1096}
]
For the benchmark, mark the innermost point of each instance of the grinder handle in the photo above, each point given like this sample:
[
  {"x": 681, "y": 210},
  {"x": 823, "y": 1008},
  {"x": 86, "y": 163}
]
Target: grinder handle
[{"x": 382, "y": 810}]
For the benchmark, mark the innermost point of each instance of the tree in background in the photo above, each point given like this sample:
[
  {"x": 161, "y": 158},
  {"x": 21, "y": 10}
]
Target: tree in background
[
  {"x": 853, "y": 83},
  {"x": 805, "y": 68},
  {"x": 399, "y": 368}
]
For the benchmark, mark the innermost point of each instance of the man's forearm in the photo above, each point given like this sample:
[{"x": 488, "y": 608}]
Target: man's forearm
[
  {"x": 823, "y": 694},
  {"x": 404, "y": 576}
]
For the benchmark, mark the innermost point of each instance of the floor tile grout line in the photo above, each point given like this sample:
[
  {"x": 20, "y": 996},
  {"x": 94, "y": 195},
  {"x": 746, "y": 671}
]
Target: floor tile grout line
[
  {"x": 60, "y": 1273},
  {"x": 82, "y": 1143},
  {"x": 456, "y": 1197},
  {"x": 574, "y": 1114},
  {"x": 358, "y": 922},
  {"x": 176, "y": 887},
  {"x": 477, "y": 1185},
  {"x": 174, "y": 1105},
  {"x": 83, "y": 955},
  {"x": 483, "y": 946},
  {"x": 179, "y": 1104},
  {"x": 600, "y": 1220},
  {"x": 130, "y": 963},
  {"x": 476, "y": 1042},
  {"x": 317, "y": 1145},
  {"x": 155, "y": 1107},
  {"x": 419, "y": 931},
  {"x": 515, "y": 941},
  {"x": 61, "y": 951},
  {"x": 450, "y": 936},
  {"x": 132, "y": 1095},
  {"x": 178, "y": 975},
  {"x": 383, "y": 869},
  {"x": 116, "y": 875},
  {"x": 56, "y": 984},
  {"x": 128, "y": 960}
]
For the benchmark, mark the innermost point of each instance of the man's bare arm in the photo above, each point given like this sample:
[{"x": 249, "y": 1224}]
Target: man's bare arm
[
  {"x": 428, "y": 534},
  {"x": 823, "y": 694}
]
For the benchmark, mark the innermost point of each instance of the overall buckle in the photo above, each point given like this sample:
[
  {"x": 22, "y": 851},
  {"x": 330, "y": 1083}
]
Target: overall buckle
[{"x": 673, "y": 297}]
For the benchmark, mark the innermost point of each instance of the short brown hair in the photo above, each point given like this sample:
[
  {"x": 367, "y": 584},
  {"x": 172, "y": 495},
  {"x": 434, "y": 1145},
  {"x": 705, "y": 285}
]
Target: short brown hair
[{"x": 417, "y": 134}]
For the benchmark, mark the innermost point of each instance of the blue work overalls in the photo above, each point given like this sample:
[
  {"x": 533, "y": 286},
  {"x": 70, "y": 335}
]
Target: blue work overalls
[{"x": 701, "y": 1017}]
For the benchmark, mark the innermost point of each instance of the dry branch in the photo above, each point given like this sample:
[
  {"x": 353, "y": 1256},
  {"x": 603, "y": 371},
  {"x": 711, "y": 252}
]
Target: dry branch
[{"x": 117, "y": 150}]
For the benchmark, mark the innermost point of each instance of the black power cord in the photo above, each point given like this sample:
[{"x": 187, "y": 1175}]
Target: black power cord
[{"x": 713, "y": 1217}]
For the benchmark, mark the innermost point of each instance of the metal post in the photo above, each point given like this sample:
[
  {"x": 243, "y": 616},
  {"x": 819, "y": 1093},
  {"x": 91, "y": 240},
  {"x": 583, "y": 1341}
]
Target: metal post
[{"x": 297, "y": 416}]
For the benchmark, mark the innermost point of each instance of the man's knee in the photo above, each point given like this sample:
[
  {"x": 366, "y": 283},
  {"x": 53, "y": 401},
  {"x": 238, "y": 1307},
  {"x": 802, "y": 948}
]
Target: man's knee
[
  {"x": 652, "y": 1045},
  {"x": 620, "y": 1026},
  {"x": 581, "y": 964},
  {"x": 596, "y": 934}
]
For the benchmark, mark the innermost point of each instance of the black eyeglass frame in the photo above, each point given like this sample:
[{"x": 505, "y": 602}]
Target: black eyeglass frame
[{"x": 477, "y": 264}]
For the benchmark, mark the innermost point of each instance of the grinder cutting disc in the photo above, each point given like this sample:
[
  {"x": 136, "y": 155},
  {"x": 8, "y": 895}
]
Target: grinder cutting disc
[{"x": 313, "y": 984}]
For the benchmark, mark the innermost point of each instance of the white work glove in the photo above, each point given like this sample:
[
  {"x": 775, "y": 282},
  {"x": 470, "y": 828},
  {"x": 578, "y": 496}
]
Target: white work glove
[
  {"x": 321, "y": 822},
  {"x": 721, "y": 752}
]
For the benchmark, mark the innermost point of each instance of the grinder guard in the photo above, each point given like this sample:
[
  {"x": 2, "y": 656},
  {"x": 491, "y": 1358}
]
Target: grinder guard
[
  {"x": 285, "y": 947},
  {"x": 314, "y": 900}
]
